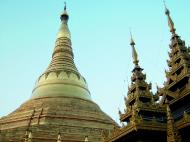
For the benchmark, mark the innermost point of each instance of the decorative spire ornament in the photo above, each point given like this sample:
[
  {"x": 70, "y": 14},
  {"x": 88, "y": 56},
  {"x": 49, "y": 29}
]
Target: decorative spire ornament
[
  {"x": 170, "y": 22},
  {"x": 134, "y": 52},
  {"x": 86, "y": 139},
  {"x": 59, "y": 137},
  {"x": 65, "y": 8},
  {"x": 64, "y": 15},
  {"x": 26, "y": 136},
  {"x": 30, "y": 137}
]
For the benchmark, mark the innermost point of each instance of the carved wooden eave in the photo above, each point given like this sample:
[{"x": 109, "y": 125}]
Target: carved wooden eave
[
  {"x": 182, "y": 94},
  {"x": 183, "y": 65},
  {"x": 138, "y": 75},
  {"x": 135, "y": 85},
  {"x": 176, "y": 41},
  {"x": 144, "y": 107},
  {"x": 131, "y": 97},
  {"x": 178, "y": 79},
  {"x": 178, "y": 94},
  {"x": 126, "y": 115},
  {"x": 134, "y": 127},
  {"x": 175, "y": 56},
  {"x": 118, "y": 133},
  {"x": 163, "y": 92},
  {"x": 184, "y": 122}
]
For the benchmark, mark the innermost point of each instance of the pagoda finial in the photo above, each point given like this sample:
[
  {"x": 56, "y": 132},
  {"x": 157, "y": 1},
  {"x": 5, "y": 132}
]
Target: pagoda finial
[
  {"x": 86, "y": 139},
  {"x": 30, "y": 137},
  {"x": 64, "y": 15},
  {"x": 134, "y": 52},
  {"x": 59, "y": 137},
  {"x": 170, "y": 22},
  {"x": 64, "y": 30},
  {"x": 26, "y": 136},
  {"x": 132, "y": 41},
  {"x": 65, "y": 8}
]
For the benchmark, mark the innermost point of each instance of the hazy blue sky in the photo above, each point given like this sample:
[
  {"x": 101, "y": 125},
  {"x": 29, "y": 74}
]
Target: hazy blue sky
[{"x": 100, "y": 37}]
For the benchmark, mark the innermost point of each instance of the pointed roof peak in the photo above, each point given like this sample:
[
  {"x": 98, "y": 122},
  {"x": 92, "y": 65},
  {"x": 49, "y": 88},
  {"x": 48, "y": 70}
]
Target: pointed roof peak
[
  {"x": 132, "y": 40},
  {"x": 86, "y": 139},
  {"x": 170, "y": 21},
  {"x": 134, "y": 52},
  {"x": 59, "y": 137},
  {"x": 64, "y": 30},
  {"x": 65, "y": 7},
  {"x": 166, "y": 9}
]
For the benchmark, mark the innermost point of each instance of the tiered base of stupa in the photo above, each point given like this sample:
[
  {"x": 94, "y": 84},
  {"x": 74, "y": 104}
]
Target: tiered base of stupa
[{"x": 73, "y": 118}]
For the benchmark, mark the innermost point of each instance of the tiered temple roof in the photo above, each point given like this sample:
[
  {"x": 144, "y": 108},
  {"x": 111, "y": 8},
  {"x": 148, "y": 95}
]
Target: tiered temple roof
[
  {"x": 178, "y": 75},
  {"x": 142, "y": 115},
  {"x": 168, "y": 119},
  {"x": 176, "y": 91}
]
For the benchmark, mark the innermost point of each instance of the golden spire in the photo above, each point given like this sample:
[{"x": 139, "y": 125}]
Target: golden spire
[
  {"x": 134, "y": 52},
  {"x": 86, "y": 139},
  {"x": 26, "y": 136},
  {"x": 59, "y": 137},
  {"x": 30, "y": 137},
  {"x": 64, "y": 30},
  {"x": 170, "y": 22},
  {"x": 62, "y": 78}
]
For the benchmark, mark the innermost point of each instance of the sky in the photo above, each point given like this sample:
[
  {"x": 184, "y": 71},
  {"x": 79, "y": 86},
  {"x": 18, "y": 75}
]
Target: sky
[{"x": 100, "y": 40}]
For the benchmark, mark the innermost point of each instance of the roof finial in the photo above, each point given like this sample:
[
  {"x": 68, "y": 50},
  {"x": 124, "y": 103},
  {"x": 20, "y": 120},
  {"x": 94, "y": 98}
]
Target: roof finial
[
  {"x": 86, "y": 139},
  {"x": 170, "y": 22},
  {"x": 64, "y": 15},
  {"x": 164, "y": 4},
  {"x": 30, "y": 137},
  {"x": 59, "y": 137},
  {"x": 65, "y": 8},
  {"x": 134, "y": 52},
  {"x": 132, "y": 41}
]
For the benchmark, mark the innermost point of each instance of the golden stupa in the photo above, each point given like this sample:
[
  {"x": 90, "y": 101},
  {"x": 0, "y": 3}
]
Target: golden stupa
[{"x": 61, "y": 108}]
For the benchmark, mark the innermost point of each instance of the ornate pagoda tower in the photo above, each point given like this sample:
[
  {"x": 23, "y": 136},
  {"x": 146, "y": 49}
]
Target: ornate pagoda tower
[
  {"x": 143, "y": 119},
  {"x": 176, "y": 89},
  {"x": 61, "y": 108}
]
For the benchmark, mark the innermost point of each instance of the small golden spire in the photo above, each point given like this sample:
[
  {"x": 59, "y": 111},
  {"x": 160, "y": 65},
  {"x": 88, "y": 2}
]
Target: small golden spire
[
  {"x": 134, "y": 52},
  {"x": 59, "y": 137},
  {"x": 86, "y": 139},
  {"x": 170, "y": 22},
  {"x": 26, "y": 136},
  {"x": 132, "y": 41},
  {"x": 30, "y": 137},
  {"x": 64, "y": 30}
]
